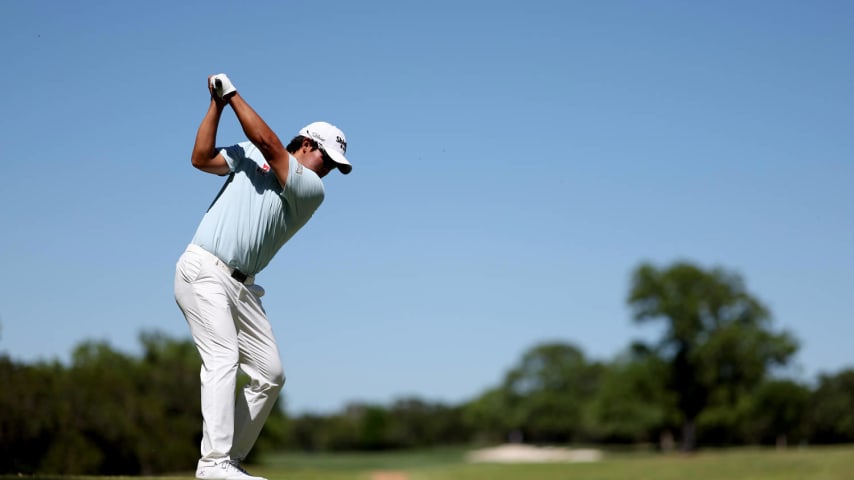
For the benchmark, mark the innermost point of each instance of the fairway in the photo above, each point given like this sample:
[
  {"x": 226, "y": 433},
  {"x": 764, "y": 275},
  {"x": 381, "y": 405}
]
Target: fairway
[
  {"x": 812, "y": 463},
  {"x": 818, "y": 463}
]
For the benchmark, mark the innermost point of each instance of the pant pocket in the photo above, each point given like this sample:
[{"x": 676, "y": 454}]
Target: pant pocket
[{"x": 189, "y": 266}]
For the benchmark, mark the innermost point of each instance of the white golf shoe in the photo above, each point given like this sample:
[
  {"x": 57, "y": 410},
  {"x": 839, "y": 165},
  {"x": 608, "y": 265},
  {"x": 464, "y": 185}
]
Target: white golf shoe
[{"x": 227, "y": 470}]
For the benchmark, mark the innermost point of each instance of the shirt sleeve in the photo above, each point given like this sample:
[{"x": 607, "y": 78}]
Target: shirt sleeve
[
  {"x": 236, "y": 154},
  {"x": 303, "y": 191}
]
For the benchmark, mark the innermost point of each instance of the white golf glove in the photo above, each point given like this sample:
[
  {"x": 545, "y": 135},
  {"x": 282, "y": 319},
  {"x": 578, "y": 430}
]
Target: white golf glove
[{"x": 221, "y": 85}]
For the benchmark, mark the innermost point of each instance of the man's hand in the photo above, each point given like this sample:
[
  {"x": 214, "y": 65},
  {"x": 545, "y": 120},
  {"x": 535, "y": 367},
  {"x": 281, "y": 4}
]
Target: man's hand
[{"x": 220, "y": 86}]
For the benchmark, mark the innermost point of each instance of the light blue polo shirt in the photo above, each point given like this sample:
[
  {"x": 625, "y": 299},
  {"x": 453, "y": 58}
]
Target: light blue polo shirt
[{"x": 253, "y": 216}]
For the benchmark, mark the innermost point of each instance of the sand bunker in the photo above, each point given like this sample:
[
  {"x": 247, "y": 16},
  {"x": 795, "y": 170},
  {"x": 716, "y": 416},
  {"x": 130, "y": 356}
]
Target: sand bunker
[{"x": 515, "y": 453}]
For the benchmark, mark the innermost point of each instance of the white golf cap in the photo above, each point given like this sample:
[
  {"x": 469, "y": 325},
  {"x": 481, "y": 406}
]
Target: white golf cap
[{"x": 332, "y": 140}]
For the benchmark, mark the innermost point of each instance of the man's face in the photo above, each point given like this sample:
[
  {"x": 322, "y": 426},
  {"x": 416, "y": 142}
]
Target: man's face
[
  {"x": 317, "y": 159},
  {"x": 328, "y": 163}
]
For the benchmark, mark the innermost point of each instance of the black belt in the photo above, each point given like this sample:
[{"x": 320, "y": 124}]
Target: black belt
[{"x": 238, "y": 275}]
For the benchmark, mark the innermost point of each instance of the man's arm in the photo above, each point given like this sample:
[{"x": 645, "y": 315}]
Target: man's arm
[
  {"x": 259, "y": 133},
  {"x": 205, "y": 157}
]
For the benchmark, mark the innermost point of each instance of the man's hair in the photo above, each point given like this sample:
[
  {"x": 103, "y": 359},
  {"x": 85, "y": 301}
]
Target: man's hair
[{"x": 296, "y": 144}]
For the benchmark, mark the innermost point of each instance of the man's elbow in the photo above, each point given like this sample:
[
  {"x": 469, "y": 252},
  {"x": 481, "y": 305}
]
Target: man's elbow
[
  {"x": 211, "y": 164},
  {"x": 199, "y": 160}
]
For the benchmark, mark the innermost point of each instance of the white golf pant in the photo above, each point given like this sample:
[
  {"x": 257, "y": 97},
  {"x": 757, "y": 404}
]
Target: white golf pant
[{"x": 231, "y": 331}]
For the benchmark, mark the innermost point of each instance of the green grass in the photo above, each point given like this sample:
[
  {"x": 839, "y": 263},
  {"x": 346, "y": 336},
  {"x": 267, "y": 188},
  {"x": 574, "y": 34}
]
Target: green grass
[
  {"x": 369, "y": 461},
  {"x": 813, "y": 463}
]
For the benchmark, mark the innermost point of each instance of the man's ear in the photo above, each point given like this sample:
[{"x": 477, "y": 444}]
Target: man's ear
[{"x": 307, "y": 144}]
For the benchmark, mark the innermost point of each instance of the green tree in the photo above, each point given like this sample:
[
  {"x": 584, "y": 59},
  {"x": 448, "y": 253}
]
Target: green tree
[
  {"x": 414, "y": 422},
  {"x": 307, "y": 433},
  {"x": 633, "y": 404},
  {"x": 777, "y": 413},
  {"x": 169, "y": 398},
  {"x": 831, "y": 407},
  {"x": 106, "y": 409},
  {"x": 546, "y": 393},
  {"x": 360, "y": 426},
  {"x": 717, "y": 341},
  {"x": 32, "y": 411},
  {"x": 108, "y": 412},
  {"x": 487, "y": 416}
]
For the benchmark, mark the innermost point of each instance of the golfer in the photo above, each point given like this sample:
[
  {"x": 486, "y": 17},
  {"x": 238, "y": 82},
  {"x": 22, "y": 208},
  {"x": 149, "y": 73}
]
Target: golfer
[{"x": 271, "y": 192}]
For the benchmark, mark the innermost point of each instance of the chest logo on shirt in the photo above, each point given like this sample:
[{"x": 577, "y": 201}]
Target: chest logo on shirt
[{"x": 263, "y": 169}]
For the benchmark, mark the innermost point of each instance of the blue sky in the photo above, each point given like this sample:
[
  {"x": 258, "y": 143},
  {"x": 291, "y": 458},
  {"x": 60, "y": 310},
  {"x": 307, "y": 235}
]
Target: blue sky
[{"x": 513, "y": 162}]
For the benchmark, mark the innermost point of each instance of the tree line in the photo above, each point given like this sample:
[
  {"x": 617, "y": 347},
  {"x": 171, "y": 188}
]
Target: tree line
[{"x": 709, "y": 380}]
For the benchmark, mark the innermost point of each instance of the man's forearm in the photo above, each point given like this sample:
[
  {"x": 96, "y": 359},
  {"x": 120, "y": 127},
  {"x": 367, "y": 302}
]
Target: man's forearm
[{"x": 204, "y": 148}]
